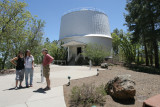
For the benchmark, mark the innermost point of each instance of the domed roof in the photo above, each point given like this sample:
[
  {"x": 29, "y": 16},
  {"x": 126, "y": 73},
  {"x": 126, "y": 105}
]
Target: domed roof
[{"x": 84, "y": 22}]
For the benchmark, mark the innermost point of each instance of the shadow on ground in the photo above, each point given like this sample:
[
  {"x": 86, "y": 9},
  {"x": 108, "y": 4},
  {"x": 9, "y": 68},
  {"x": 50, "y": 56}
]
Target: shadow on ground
[
  {"x": 40, "y": 90},
  {"x": 14, "y": 88},
  {"x": 125, "y": 102}
]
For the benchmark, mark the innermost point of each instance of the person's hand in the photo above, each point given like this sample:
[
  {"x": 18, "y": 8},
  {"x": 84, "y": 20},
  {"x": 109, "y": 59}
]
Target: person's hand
[{"x": 32, "y": 67}]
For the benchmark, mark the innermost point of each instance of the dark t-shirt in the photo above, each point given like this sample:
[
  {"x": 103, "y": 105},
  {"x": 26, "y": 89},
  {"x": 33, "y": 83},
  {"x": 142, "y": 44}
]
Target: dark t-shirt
[{"x": 20, "y": 64}]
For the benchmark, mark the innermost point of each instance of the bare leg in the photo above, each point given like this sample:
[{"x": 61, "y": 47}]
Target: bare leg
[
  {"x": 20, "y": 83},
  {"x": 48, "y": 82},
  {"x": 16, "y": 83}
]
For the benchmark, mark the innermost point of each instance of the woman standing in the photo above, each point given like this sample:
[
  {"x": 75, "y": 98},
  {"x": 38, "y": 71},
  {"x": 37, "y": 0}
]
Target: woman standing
[
  {"x": 19, "y": 68},
  {"x": 29, "y": 66}
]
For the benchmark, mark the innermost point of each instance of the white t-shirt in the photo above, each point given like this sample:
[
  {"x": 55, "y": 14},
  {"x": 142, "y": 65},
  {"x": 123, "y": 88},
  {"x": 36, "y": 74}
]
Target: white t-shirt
[{"x": 28, "y": 61}]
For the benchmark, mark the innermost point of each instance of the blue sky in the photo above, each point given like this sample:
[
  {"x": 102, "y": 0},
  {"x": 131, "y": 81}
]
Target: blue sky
[{"x": 51, "y": 11}]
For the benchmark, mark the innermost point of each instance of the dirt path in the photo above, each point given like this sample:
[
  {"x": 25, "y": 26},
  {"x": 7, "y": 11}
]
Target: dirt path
[{"x": 147, "y": 85}]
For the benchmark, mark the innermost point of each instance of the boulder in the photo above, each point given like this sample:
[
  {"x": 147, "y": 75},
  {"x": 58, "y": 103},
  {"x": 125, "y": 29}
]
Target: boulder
[
  {"x": 121, "y": 87},
  {"x": 104, "y": 65}
]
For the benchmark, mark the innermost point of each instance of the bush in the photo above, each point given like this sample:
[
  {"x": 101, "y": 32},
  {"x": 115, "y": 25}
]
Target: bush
[
  {"x": 82, "y": 61},
  {"x": 87, "y": 95},
  {"x": 60, "y": 53},
  {"x": 96, "y": 53},
  {"x": 145, "y": 69}
]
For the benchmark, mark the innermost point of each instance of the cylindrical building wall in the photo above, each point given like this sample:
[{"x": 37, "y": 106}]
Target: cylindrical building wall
[
  {"x": 102, "y": 41},
  {"x": 85, "y": 27},
  {"x": 84, "y": 22}
]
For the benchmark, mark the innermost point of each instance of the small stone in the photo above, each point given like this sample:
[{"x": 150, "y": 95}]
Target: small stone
[{"x": 104, "y": 65}]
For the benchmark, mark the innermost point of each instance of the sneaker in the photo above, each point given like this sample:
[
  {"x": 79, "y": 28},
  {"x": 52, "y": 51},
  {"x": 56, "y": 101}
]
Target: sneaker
[
  {"x": 30, "y": 86},
  {"x": 16, "y": 88},
  {"x": 27, "y": 86},
  {"x": 47, "y": 88}
]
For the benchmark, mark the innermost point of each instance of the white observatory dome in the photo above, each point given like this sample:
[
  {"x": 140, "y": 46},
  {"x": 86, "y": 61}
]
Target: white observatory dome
[
  {"x": 84, "y": 22},
  {"x": 79, "y": 28}
]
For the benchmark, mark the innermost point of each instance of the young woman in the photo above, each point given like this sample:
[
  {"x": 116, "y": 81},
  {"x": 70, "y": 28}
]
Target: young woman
[
  {"x": 29, "y": 66},
  {"x": 19, "y": 68}
]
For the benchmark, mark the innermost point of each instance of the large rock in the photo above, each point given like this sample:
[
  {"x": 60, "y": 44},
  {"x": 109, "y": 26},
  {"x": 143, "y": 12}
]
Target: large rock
[
  {"x": 104, "y": 65},
  {"x": 121, "y": 87}
]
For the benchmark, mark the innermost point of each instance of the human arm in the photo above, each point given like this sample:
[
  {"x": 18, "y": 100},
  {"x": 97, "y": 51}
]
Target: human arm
[
  {"x": 32, "y": 62},
  {"x": 50, "y": 59},
  {"x": 13, "y": 61}
]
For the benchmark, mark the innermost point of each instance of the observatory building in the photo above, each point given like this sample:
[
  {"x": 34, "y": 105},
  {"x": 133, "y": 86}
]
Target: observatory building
[{"x": 80, "y": 27}]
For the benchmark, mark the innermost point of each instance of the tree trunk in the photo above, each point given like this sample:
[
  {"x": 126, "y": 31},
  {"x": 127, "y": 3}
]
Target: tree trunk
[
  {"x": 151, "y": 54},
  {"x": 155, "y": 45},
  {"x": 138, "y": 57},
  {"x": 142, "y": 57},
  {"x": 146, "y": 54},
  {"x": 156, "y": 57},
  {"x": 151, "y": 59}
]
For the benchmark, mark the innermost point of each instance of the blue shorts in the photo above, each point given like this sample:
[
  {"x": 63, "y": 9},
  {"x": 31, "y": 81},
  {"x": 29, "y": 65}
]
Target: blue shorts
[{"x": 20, "y": 75}]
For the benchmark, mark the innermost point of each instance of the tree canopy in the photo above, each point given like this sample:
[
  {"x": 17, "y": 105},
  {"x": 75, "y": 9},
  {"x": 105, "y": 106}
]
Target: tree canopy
[
  {"x": 143, "y": 20},
  {"x": 19, "y": 30}
]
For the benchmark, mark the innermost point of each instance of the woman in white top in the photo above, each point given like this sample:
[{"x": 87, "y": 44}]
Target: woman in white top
[{"x": 29, "y": 67}]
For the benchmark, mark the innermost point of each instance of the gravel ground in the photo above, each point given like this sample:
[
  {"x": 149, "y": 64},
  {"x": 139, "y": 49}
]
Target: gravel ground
[{"x": 147, "y": 85}]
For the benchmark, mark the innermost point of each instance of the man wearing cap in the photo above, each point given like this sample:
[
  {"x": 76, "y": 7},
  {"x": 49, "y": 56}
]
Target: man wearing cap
[{"x": 47, "y": 59}]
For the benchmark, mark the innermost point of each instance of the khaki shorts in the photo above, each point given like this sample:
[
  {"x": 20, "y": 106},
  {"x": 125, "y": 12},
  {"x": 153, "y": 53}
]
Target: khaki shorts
[{"x": 46, "y": 71}]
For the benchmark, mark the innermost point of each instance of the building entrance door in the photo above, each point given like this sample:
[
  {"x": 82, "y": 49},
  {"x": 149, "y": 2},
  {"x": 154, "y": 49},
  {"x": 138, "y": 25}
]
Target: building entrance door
[{"x": 79, "y": 50}]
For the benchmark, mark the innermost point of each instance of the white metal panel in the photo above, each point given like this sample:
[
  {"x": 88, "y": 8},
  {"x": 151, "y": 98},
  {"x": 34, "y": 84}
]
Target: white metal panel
[{"x": 84, "y": 22}]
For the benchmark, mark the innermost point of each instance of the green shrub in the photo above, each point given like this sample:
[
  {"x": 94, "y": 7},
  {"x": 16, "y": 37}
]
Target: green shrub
[
  {"x": 82, "y": 61},
  {"x": 75, "y": 97},
  {"x": 145, "y": 69},
  {"x": 96, "y": 53},
  {"x": 87, "y": 95},
  {"x": 60, "y": 53}
]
